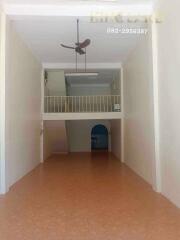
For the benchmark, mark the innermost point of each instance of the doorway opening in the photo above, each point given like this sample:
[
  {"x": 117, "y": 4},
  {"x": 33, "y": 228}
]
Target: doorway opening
[{"x": 99, "y": 138}]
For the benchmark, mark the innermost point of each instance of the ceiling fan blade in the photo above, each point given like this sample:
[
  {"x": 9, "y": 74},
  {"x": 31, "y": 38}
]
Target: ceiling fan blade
[
  {"x": 62, "y": 45},
  {"x": 80, "y": 51},
  {"x": 84, "y": 44}
]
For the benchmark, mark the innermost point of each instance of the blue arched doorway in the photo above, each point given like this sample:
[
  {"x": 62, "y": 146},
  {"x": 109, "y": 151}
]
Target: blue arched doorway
[{"x": 99, "y": 138}]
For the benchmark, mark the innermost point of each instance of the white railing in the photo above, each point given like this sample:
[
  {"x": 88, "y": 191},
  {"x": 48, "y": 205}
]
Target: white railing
[{"x": 70, "y": 104}]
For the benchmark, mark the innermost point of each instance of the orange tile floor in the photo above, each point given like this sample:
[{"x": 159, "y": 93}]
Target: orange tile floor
[{"x": 86, "y": 197}]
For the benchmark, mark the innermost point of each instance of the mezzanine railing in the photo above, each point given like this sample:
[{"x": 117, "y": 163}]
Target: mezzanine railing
[{"x": 75, "y": 104}]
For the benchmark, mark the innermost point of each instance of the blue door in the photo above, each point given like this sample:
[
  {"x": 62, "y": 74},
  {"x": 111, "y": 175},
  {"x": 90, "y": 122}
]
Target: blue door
[{"x": 99, "y": 138}]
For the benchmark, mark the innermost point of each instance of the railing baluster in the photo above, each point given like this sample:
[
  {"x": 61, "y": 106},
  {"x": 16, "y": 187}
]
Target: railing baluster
[
  {"x": 89, "y": 104},
  {"x": 82, "y": 104},
  {"x": 96, "y": 103},
  {"x": 98, "y": 98},
  {"x": 64, "y": 103},
  {"x": 53, "y": 104},
  {"x": 61, "y": 102},
  {"x": 67, "y": 98},
  {"x": 71, "y": 104},
  {"x": 110, "y": 103},
  {"x": 116, "y": 99},
  {"x": 67, "y": 103},
  {"x": 104, "y": 104},
  {"x": 99, "y": 104},
  {"x": 107, "y": 103},
  {"x": 57, "y": 104},
  {"x": 91, "y": 101},
  {"x": 120, "y": 102},
  {"x": 75, "y": 103},
  {"x": 46, "y": 104},
  {"x": 113, "y": 102},
  {"x": 49, "y": 104}
]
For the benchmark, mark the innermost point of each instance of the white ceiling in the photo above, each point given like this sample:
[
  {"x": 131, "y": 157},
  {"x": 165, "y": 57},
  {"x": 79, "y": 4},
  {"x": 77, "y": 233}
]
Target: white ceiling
[
  {"x": 42, "y": 28},
  {"x": 43, "y": 35},
  {"x": 52, "y": 2}
]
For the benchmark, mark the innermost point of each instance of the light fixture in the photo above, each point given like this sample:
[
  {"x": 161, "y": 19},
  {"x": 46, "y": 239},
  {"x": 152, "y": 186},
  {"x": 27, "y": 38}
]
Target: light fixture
[{"x": 81, "y": 74}]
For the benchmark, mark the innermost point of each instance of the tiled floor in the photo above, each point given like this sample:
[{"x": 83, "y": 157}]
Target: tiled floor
[{"x": 86, "y": 197}]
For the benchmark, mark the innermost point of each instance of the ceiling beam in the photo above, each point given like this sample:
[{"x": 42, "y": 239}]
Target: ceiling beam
[{"x": 116, "y": 65}]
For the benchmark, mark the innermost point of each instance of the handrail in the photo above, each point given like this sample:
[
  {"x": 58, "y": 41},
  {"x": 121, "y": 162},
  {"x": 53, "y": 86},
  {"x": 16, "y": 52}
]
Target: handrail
[{"x": 92, "y": 103}]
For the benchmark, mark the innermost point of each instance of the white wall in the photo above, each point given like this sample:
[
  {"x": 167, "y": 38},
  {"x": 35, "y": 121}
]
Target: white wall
[
  {"x": 55, "y": 138},
  {"x": 47, "y": 145},
  {"x": 116, "y": 83},
  {"x": 116, "y": 138},
  {"x": 138, "y": 108},
  {"x": 23, "y": 100},
  {"x": 89, "y": 89},
  {"x": 56, "y": 83},
  {"x": 2, "y": 102},
  {"x": 169, "y": 98},
  {"x": 107, "y": 82},
  {"x": 79, "y": 134}
]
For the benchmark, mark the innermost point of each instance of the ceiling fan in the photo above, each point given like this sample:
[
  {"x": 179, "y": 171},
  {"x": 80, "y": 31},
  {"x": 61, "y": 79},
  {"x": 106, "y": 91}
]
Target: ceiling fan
[{"x": 79, "y": 45}]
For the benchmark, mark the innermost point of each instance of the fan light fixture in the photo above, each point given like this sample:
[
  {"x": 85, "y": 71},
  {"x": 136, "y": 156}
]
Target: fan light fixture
[{"x": 80, "y": 48}]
